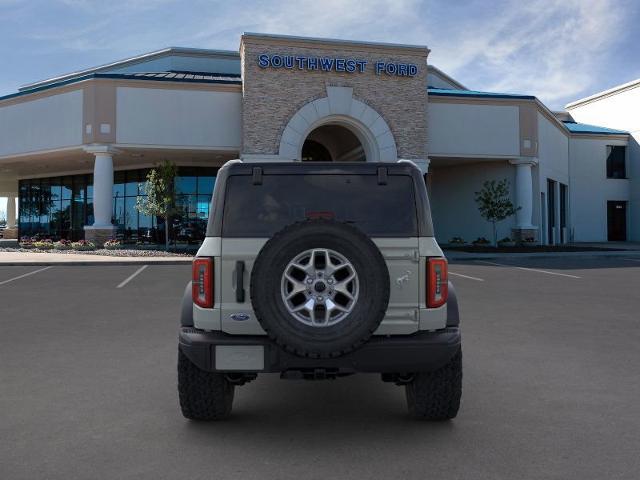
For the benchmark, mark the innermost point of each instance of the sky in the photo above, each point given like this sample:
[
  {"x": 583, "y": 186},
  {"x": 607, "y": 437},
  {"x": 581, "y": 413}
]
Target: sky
[{"x": 558, "y": 50}]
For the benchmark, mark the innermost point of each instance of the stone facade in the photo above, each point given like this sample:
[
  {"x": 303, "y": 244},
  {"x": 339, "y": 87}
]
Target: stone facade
[
  {"x": 10, "y": 233},
  {"x": 272, "y": 96},
  {"x": 524, "y": 234},
  {"x": 98, "y": 235}
]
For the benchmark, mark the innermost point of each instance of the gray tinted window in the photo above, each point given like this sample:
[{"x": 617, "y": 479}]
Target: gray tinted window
[{"x": 262, "y": 210}]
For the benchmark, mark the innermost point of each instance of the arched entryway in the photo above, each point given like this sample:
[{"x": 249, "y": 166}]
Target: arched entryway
[
  {"x": 338, "y": 126},
  {"x": 332, "y": 142}
]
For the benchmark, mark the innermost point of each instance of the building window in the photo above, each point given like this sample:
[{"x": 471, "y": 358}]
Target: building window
[
  {"x": 60, "y": 207},
  {"x": 616, "y": 161},
  {"x": 56, "y": 207}
]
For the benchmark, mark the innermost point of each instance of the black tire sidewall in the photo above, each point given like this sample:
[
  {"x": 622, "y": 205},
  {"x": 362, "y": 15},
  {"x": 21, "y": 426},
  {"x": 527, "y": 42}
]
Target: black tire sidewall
[{"x": 354, "y": 329}]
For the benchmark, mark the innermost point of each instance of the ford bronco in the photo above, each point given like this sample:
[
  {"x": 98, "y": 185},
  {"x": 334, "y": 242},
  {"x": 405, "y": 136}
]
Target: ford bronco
[{"x": 318, "y": 271}]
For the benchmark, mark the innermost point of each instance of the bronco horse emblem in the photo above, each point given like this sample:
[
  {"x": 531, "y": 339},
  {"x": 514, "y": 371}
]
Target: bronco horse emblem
[{"x": 400, "y": 281}]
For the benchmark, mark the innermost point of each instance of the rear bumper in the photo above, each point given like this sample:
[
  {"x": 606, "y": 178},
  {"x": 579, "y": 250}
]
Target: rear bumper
[{"x": 422, "y": 351}]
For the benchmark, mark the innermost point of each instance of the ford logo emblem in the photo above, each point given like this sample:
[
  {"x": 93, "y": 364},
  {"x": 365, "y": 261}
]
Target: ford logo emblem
[{"x": 240, "y": 317}]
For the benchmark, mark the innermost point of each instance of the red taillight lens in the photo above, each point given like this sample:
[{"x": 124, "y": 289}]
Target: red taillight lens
[
  {"x": 437, "y": 282},
  {"x": 202, "y": 282}
]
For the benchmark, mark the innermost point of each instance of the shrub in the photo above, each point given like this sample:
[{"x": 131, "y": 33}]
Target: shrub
[
  {"x": 112, "y": 244},
  {"x": 481, "y": 241},
  {"x": 83, "y": 245},
  {"x": 457, "y": 240},
  {"x": 62, "y": 245},
  {"x": 505, "y": 240},
  {"x": 26, "y": 242},
  {"x": 46, "y": 244}
]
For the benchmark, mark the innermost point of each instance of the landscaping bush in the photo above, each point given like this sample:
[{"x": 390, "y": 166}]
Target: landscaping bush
[
  {"x": 46, "y": 244},
  {"x": 62, "y": 245},
  {"x": 112, "y": 244},
  {"x": 26, "y": 242},
  {"x": 481, "y": 241},
  {"x": 506, "y": 242},
  {"x": 457, "y": 241},
  {"x": 83, "y": 245}
]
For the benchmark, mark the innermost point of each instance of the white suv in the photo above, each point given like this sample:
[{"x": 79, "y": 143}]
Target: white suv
[{"x": 319, "y": 270}]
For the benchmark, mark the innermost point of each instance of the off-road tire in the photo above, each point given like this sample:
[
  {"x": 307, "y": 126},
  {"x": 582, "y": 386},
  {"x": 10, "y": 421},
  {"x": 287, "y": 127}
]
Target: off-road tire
[
  {"x": 203, "y": 395},
  {"x": 330, "y": 341},
  {"x": 436, "y": 395}
]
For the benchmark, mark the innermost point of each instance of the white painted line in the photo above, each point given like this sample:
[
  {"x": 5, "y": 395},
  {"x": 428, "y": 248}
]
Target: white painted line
[
  {"x": 25, "y": 275},
  {"x": 467, "y": 276},
  {"x": 492, "y": 263},
  {"x": 529, "y": 269},
  {"x": 132, "y": 276},
  {"x": 632, "y": 259}
]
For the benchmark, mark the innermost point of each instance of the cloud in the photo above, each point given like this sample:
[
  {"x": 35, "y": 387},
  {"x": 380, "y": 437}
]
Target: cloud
[
  {"x": 348, "y": 19},
  {"x": 555, "y": 50},
  {"x": 558, "y": 50}
]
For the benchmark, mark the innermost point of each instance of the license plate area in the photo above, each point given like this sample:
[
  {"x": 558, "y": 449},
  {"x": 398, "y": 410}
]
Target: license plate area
[{"x": 239, "y": 358}]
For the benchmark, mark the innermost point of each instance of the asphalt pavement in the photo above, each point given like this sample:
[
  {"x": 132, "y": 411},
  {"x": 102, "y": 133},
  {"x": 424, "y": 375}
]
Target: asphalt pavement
[{"x": 551, "y": 385}]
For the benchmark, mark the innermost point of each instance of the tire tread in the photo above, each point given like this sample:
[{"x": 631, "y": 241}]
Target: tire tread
[
  {"x": 203, "y": 395},
  {"x": 436, "y": 395}
]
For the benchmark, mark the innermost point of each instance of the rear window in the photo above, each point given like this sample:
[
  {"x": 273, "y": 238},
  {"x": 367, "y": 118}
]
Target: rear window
[{"x": 261, "y": 210}]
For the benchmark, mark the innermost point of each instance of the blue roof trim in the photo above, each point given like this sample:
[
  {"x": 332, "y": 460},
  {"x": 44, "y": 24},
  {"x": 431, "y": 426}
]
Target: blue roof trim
[
  {"x": 225, "y": 79},
  {"x": 575, "y": 127},
  {"x": 445, "y": 92}
]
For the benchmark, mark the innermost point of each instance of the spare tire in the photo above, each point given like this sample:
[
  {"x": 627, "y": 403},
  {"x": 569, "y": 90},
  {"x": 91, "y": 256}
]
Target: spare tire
[{"x": 320, "y": 288}]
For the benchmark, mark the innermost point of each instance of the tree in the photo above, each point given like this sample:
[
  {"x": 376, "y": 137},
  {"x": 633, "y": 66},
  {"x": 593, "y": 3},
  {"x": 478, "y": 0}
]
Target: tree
[
  {"x": 494, "y": 203},
  {"x": 160, "y": 196}
]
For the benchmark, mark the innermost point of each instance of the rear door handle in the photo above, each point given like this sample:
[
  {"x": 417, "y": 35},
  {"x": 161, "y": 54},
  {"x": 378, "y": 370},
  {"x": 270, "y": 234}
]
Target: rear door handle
[{"x": 240, "y": 281}]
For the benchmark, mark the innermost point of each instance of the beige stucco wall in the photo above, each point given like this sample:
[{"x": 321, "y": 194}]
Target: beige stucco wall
[
  {"x": 44, "y": 123},
  {"x": 473, "y": 129},
  {"x": 178, "y": 117},
  {"x": 272, "y": 96}
]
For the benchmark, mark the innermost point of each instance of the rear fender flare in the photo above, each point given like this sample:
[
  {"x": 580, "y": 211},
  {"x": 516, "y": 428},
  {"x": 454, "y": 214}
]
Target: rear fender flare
[
  {"x": 186, "y": 308},
  {"x": 453, "y": 314}
]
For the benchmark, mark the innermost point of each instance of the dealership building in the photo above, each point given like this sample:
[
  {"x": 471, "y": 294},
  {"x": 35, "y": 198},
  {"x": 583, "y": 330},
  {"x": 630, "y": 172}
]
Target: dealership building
[{"x": 75, "y": 149}]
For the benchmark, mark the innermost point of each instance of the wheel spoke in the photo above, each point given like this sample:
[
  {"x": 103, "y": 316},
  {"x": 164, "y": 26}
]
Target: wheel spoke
[
  {"x": 308, "y": 306},
  {"x": 343, "y": 285},
  {"x": 297, "y": 288},
  {"x": 331, "y": 306},
  {"x": 327, "y": 316},
  {"x": 308, "y": 269}
]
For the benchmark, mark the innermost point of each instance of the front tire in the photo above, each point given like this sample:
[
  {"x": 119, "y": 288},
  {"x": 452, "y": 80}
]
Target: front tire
[
  {"x": 203, "y": 395},
  {"x": 436, "y": 395}
]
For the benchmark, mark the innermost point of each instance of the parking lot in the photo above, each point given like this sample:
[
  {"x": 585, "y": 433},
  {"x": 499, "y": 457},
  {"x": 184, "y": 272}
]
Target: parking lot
[{"x": 551, "y": 384}]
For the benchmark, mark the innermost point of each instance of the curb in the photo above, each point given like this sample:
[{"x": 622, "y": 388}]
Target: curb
[
  {"x": 75, "y": 263},
  {"x": 497, "y": 256}
]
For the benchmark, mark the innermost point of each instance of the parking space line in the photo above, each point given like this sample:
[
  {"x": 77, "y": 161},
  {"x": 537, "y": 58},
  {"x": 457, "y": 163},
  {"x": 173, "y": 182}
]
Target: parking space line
[
  {"x": 467, "y": 276},
  {"x": 25, "y": 275},
  {"x": 632, "y": 259},
  {"x": 528, "y": 269},
  {"x": 132, "y": 276}
]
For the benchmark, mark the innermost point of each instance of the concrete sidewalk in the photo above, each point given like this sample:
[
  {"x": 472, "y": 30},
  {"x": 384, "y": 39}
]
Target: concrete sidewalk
[
  {"x": 456, "y": 255},
  {"x": 36, "y": 259}
]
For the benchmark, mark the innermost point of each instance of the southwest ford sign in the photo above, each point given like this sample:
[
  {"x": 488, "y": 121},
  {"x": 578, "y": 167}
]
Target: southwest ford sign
[{"x": 334, "y": 64}]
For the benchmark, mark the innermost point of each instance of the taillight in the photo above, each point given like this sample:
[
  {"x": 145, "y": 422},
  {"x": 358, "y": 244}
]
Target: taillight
[
  {"x": 202, "y": 282},
  {"x": 437, "y": 282}
]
